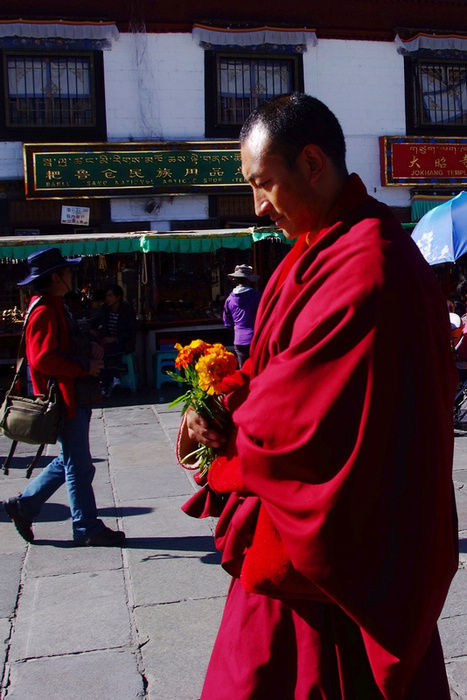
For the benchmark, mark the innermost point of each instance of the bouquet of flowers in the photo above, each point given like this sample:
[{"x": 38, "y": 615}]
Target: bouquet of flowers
[{"x": 204, "y": 368}]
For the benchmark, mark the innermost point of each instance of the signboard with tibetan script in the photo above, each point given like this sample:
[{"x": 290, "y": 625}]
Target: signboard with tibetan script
[
  {"x": 423, "y": 161},
  {"x": 130, "y": 169}
]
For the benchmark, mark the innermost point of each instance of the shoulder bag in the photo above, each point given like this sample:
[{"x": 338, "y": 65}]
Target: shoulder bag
[{"x": 35, "y": 420}]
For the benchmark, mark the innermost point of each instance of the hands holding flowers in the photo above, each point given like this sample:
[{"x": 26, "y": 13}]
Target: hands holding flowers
[{"x": 205, "y": 367}]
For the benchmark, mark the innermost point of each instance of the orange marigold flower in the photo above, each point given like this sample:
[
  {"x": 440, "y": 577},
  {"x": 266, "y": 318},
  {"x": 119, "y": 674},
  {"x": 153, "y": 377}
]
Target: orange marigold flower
[
  {"x": 213, "y": 367},
  {"x": 207, "y": 368},
  {"x": 189, "y": 353}
]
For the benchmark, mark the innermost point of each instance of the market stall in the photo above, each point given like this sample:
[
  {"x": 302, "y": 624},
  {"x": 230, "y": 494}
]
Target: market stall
[{"x": 177, "y": 281}]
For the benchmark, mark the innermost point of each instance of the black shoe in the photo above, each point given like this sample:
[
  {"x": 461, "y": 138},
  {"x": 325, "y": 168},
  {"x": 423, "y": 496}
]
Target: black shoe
[
  {"x": 103, "y": 538},
  {"x": 22, "y": 524}
]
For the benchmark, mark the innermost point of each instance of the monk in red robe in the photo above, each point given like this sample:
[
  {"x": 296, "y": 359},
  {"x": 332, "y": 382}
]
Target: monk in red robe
[{"x": 334, "y": 484}]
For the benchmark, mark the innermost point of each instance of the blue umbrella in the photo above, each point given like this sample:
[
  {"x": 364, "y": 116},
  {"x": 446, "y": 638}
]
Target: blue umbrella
[{"x": 441, "y": 234}]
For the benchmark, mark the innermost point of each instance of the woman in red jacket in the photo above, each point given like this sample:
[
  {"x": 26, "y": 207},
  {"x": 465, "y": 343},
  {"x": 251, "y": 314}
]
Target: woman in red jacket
[{"x": 53, "y": 350}]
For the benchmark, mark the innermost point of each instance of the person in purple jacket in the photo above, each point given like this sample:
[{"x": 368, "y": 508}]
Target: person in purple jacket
[{"x": 240, "y": 310}]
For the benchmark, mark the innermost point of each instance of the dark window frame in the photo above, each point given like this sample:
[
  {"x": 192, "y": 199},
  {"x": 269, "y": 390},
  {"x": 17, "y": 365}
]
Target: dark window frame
[
  {"x": 416, "y": 125},
  {"x": 213, "y": 127},
  {"x": 95, "y": 131}
]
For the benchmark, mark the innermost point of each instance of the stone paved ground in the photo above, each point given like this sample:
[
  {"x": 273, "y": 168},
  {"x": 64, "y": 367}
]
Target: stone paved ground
[{"x": 138, "y": 622}]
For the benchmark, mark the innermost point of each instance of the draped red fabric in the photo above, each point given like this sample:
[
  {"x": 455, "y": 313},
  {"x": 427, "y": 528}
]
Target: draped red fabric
[
  {"x": 342, "y": 448},
  {"x": 346, "y": 435}
]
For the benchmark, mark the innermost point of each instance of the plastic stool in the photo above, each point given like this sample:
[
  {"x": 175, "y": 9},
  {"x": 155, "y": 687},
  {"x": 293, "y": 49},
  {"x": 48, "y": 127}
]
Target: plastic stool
[
  {"x": 129, "y": 379},
  {"x": 164, "y": 360}
]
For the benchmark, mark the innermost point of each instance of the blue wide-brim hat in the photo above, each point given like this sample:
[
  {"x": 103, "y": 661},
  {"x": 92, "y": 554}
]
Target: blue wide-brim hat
[{"x": 42, "y": 262}]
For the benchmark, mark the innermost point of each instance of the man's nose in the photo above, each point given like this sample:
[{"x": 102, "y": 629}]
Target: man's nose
[{"x": 262, "y": 206}]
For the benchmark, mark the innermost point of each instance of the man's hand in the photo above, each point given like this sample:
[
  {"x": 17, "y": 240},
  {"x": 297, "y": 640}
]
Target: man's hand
[
  {"x": 199, "y": 431},
  {"x": 97, "y": 351},
  {"x": 95, "y": 367}
]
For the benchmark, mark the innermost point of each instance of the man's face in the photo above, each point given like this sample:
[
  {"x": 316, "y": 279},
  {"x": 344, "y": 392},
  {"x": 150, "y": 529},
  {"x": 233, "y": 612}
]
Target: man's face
[
  {"x": 286, "y": 195},
  {"x": 111, "y": 299}
]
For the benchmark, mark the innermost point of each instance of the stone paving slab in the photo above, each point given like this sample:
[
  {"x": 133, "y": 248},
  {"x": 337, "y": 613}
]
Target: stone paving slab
[
  {"x": 179, "y": 638},
  {"x": 57, "y": 557},
  {"x": 166, "y": 519},
  {"x": 5, "y": 631},
  {"x": 78, "y": 677},
  {"x": 453, "y": 632},
  {"x": 455, "y": 602},
  {"x": 461, "y": 502},
  {"x": 137, "y": 415},
  {"x": 143, "y": 453},
  {"x": 176, "y": 569},
  {"x": 11, "y": 565},
  {"x": 457, "y": 676},
  {"x": 71, "y": 614},
  {"x": 157, "y": 481},
  {"x": 10, "y": 541}
]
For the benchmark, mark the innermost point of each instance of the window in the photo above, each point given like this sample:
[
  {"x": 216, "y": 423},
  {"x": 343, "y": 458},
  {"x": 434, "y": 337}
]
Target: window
[
  {"x": 49, "y": 95},
  {"x": 436, "y": 96},
  {"x": 237, "y": 83}
]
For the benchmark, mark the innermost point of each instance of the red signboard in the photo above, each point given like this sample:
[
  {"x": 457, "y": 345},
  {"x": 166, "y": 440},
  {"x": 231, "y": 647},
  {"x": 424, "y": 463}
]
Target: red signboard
[{"x": 423, "y": 161}]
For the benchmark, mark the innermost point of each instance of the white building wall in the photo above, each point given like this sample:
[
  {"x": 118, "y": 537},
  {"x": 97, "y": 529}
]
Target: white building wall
[
  {"x": 154, "y": 87},
  {"x": 363, "y": 84},
  {"x": 155, "y": 92},
  {"x": 11, "y": 160},
  {"x": 166, "y": 209}
]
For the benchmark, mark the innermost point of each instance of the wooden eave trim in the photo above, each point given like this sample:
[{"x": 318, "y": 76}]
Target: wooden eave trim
[{"x": 323, "y": 33}]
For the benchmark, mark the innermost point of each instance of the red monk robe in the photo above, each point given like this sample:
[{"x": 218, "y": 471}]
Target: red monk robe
[{"x": 340, "y": 528}]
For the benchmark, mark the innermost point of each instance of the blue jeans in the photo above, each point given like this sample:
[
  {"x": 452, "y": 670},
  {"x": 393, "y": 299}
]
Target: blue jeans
[{"x": 73, "y": 466}]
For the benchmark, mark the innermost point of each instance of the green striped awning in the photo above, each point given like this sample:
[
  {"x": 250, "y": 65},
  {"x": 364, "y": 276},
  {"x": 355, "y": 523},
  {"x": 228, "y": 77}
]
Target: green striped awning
[
  {"x": 423, "y": 203},
  {"x": 18, "y": 248},
  {"x": 195, "y": 241}
]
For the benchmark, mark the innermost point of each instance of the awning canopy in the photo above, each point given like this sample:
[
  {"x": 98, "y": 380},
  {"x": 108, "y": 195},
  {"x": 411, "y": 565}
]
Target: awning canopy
[
  {"x": 253, "y": 36},
  {"x": 63, "y": 29},
  {"x": 432, "y": 42},
  {"x": 19, "y": 247},
  {"x": 423, "y": 203},
  {"x": 195, "y": 241}
]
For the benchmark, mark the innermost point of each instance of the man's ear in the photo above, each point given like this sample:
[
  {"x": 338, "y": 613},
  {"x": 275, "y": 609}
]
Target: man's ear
[{"x": 315, "y": 160}]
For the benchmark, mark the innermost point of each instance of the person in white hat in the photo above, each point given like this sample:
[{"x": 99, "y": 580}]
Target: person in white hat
[{"x": 240, "y": 310}]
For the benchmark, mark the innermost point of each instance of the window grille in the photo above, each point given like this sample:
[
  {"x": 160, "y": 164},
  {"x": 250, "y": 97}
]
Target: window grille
[
  {"x": 49, "y": 90},
  {"x": 243, "y": 83},
  {"x": 437, "y": 96},
  {"x": 237, "y": 82}
]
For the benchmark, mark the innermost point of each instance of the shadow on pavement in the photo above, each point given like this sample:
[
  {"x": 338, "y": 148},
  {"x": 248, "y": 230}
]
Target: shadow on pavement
[
  {"x": 143, "y": 397},
  {"x": 168, "y": 547},
  {"x": 51, "y": 512},
  {"x": 59, "y": 512},
  {"x": 195, "y": 543},
  {"x": 22, "y": 463}
]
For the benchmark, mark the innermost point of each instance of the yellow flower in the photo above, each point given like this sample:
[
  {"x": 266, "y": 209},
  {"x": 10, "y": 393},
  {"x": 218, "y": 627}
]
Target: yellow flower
[
  {"x": 213, "y": 367},
  {"x": 206, "y": 368},
  {"x": 189, "y": 353}
]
